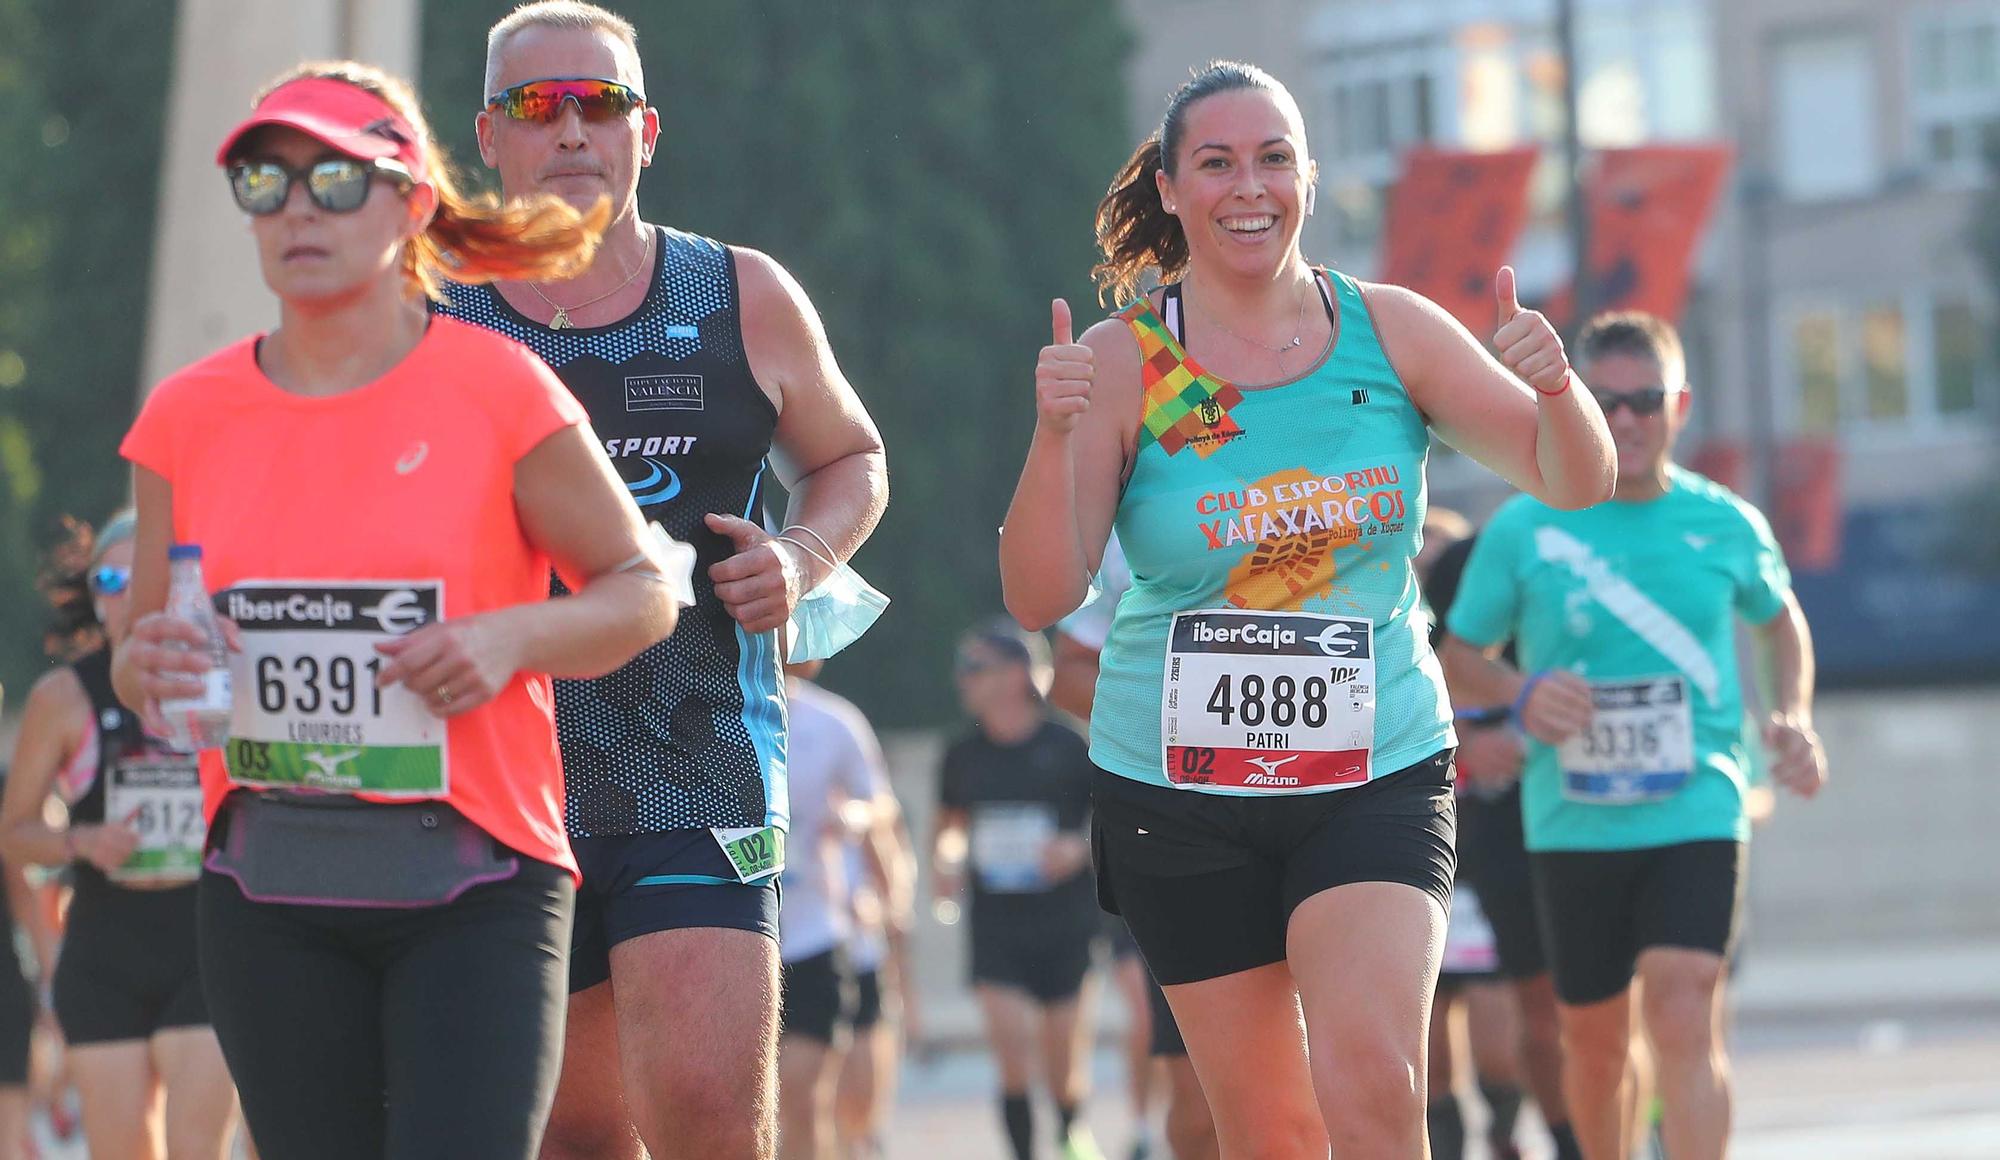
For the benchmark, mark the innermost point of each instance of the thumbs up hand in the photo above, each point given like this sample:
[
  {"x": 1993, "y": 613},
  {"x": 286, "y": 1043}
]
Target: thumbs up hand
[
  {"x": 1527, "y": 344},
  {"x": 1063, "y": 375}
]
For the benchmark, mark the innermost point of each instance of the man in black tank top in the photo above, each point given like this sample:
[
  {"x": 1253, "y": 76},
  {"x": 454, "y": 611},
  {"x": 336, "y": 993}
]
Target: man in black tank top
[{"x": 696, "y": 360}]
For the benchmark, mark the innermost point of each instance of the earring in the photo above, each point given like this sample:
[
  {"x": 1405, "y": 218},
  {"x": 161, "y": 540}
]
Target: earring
[{"x": 1312, "y": 195}]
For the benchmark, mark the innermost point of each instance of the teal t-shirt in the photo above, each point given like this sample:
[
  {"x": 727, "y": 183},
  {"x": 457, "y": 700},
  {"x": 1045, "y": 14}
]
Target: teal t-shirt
[{"x": 1641, "y": 600}]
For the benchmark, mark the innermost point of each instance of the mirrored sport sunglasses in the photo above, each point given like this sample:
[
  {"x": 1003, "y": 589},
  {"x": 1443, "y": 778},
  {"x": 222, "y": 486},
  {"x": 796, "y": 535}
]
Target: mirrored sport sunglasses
[
  {"x": 110, "y": 579},
  {"x": 1646, "y": 401},
  {"x": 596, "y": 100},
  {"x": 335, "y": 184}
]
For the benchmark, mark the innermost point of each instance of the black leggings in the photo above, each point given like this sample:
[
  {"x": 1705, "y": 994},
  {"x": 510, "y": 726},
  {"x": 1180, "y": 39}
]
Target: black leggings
[{"x": 432, "y": 1032}]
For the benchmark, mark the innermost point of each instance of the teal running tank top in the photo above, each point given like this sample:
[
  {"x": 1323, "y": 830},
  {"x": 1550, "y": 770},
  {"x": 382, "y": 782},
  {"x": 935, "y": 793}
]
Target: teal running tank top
[{"x": 1273, "y": 640}]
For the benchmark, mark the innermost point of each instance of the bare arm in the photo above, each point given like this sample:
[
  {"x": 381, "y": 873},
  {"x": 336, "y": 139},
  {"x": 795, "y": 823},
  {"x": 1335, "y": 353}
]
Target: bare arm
[
  {"x": 1558, "y": 706},
  {"x": 52, "y": 724},
  {"x": 892, "y": 862},
  {"x": 1075, "y": 687},
  {"x": 828, "y": 453},
  {"x": 1798, "y": 761},
  {"x": 572, "y": 507},
  {"x": 1554, "y": 446},
  {"x": 949, "y": 845},
  {"x": 1087, "y": 414}
]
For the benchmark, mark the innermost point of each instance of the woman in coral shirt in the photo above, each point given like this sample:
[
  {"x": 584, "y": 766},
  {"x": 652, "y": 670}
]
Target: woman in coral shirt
[{"x": 379, "y": 495}]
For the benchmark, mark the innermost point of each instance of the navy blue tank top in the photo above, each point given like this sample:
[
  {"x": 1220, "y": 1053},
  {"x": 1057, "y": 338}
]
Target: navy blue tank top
[{"x": 691, "y": 733}]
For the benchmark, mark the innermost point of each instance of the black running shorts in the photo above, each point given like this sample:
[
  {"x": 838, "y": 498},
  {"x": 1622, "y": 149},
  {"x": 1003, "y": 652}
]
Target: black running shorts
[
  {"x": 1208, "y": 882},
  {"x": 1600, "y": 909}
]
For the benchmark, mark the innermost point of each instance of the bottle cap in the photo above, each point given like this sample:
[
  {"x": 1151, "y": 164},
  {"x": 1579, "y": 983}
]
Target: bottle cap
[{"x": 184, "y": 552}]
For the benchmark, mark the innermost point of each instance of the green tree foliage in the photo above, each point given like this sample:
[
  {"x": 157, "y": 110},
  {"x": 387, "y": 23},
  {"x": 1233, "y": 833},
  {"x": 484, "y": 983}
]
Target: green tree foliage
[
  {"x": 928, "y": 172},
  {"x": 85, "y": 89}
]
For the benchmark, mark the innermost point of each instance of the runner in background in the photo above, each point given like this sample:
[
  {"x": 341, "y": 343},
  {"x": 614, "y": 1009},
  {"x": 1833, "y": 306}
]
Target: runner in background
[
  {"x": 1493, "y": 860},
  {"x": 127, "y": 987},
  {"x": 882, "y": 870},
  {"x": 837, "y": 780},
  {"x": 1624, "y": 617},
  {"x": 1153, "y": 1038},
  {"x": 1012, "y": 825},
  {"x": 1473, "y": 1016}
]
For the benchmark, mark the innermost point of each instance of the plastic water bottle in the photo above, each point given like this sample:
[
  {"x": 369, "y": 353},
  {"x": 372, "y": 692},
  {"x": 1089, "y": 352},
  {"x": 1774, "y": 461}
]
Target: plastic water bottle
[{"x": 199, "y": 722}]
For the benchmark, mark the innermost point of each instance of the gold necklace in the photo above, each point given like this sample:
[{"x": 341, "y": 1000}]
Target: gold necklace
[
  {"x": 561, "y": 320},
  {"x": 1298, "y": 328}
]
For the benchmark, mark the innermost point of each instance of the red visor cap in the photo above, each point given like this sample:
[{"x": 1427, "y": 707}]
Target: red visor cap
[{"x": 351, "y": 120}]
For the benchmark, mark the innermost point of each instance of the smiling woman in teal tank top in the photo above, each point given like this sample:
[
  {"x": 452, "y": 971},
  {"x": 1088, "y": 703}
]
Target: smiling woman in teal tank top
[{"x": 1273, "y": 802}]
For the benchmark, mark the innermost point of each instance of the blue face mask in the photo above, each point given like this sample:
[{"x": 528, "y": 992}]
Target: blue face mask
[{"x": 833, "y": 615}]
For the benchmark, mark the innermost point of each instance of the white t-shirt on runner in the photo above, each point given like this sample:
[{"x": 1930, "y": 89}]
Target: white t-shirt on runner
[
  {"x": 1090, "y": 626},
  {"x": 834, "y": 757}
]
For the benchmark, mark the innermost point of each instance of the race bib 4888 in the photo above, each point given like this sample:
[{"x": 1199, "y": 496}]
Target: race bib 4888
[{"x": 1277, "y": 702}]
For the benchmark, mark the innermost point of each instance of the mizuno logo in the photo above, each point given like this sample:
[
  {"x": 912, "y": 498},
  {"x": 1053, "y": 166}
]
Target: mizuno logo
[
  {"x": 1270, "y": 767},
  {"x": 413, "y": 458},
  {"x": 326, "y": 766},
  {"x": 1698, "y": 543}
]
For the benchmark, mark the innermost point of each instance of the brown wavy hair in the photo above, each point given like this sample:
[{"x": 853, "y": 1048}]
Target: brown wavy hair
[
  {"x": 64, "y": 581},
  {"x": 472, "y": 238},
  {"x": 1134, "y": 231}
]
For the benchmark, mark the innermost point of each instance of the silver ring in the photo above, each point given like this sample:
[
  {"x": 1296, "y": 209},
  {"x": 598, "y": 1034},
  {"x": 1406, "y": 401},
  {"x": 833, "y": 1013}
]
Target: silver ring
[{"x": 444, "y": 693}]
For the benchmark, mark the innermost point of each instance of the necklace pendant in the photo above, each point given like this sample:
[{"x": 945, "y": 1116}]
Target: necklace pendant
[{"x": 561, "y": 320}]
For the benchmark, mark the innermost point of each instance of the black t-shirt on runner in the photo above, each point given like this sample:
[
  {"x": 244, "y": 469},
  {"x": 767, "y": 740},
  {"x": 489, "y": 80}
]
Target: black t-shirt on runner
[{"x": 1016, "y": 798}]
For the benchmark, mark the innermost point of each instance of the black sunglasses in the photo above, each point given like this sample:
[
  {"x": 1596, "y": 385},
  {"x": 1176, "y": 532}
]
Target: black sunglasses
[
  {"x": 335, "y": 184},
  {"x": 1645, "y": 401}
]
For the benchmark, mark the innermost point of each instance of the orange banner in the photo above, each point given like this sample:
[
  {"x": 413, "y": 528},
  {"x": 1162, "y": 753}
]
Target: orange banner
[
  {"x": 1452, "y": 221},
  {"x": 1807, "y": 515},
  {"x": 1648, "y": 208}
]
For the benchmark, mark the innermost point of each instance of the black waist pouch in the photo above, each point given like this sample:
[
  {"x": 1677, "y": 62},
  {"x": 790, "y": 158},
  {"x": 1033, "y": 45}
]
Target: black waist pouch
[{"x": 334, "y": 850}]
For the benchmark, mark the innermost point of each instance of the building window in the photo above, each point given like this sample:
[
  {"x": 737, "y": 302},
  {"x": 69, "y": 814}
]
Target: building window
[
  {"x": 1816, "y": 360},
  {"x": 1825, "y": 102},
  {"x": 1960, "y": 346},
  {"x": 1885, "y": 362},
  {"x": 1916, "y": 363},
  {"x": 1955, "y": 88}
]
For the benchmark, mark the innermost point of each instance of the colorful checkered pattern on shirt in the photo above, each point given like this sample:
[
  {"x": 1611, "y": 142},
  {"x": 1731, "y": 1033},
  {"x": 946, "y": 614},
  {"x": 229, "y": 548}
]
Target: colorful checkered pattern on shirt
[{"x": 1185, "y": 405}]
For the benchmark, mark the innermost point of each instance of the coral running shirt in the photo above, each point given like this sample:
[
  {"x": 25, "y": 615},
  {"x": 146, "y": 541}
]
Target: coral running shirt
[{"x": 323, "y": 520}]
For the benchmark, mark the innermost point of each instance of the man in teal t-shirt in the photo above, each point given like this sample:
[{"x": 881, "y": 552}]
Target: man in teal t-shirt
[{"x": 1624, "y": 618}]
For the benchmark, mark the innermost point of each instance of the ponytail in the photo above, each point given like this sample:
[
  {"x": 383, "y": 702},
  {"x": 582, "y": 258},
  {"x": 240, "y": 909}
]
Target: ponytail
[{"x": 1134, "y": 231}]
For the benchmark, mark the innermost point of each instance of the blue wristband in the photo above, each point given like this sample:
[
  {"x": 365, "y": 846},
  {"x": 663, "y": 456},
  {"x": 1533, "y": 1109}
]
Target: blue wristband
[{"x": 1520, "y": 706}]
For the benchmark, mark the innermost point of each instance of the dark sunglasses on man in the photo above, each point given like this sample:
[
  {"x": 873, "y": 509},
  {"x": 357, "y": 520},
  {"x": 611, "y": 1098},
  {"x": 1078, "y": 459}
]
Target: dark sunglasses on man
[
  {"x": 261, "y": 186},
  {"x": 1645, "y": 402},
  {"x": 596, "y": 99}
]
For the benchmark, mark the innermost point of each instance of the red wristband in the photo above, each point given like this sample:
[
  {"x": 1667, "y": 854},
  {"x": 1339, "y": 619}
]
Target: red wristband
[{"x": 1568, "y": 377}]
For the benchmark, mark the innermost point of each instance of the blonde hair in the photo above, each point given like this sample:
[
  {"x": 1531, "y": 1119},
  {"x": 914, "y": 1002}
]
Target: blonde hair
[
  {"x": 471, "y": 239},
  {"x": 572, "y": 14}
]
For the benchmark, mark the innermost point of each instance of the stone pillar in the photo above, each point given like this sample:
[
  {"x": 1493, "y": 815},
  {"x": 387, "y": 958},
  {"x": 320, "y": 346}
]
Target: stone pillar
[{"x": 206, "y": 289}]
